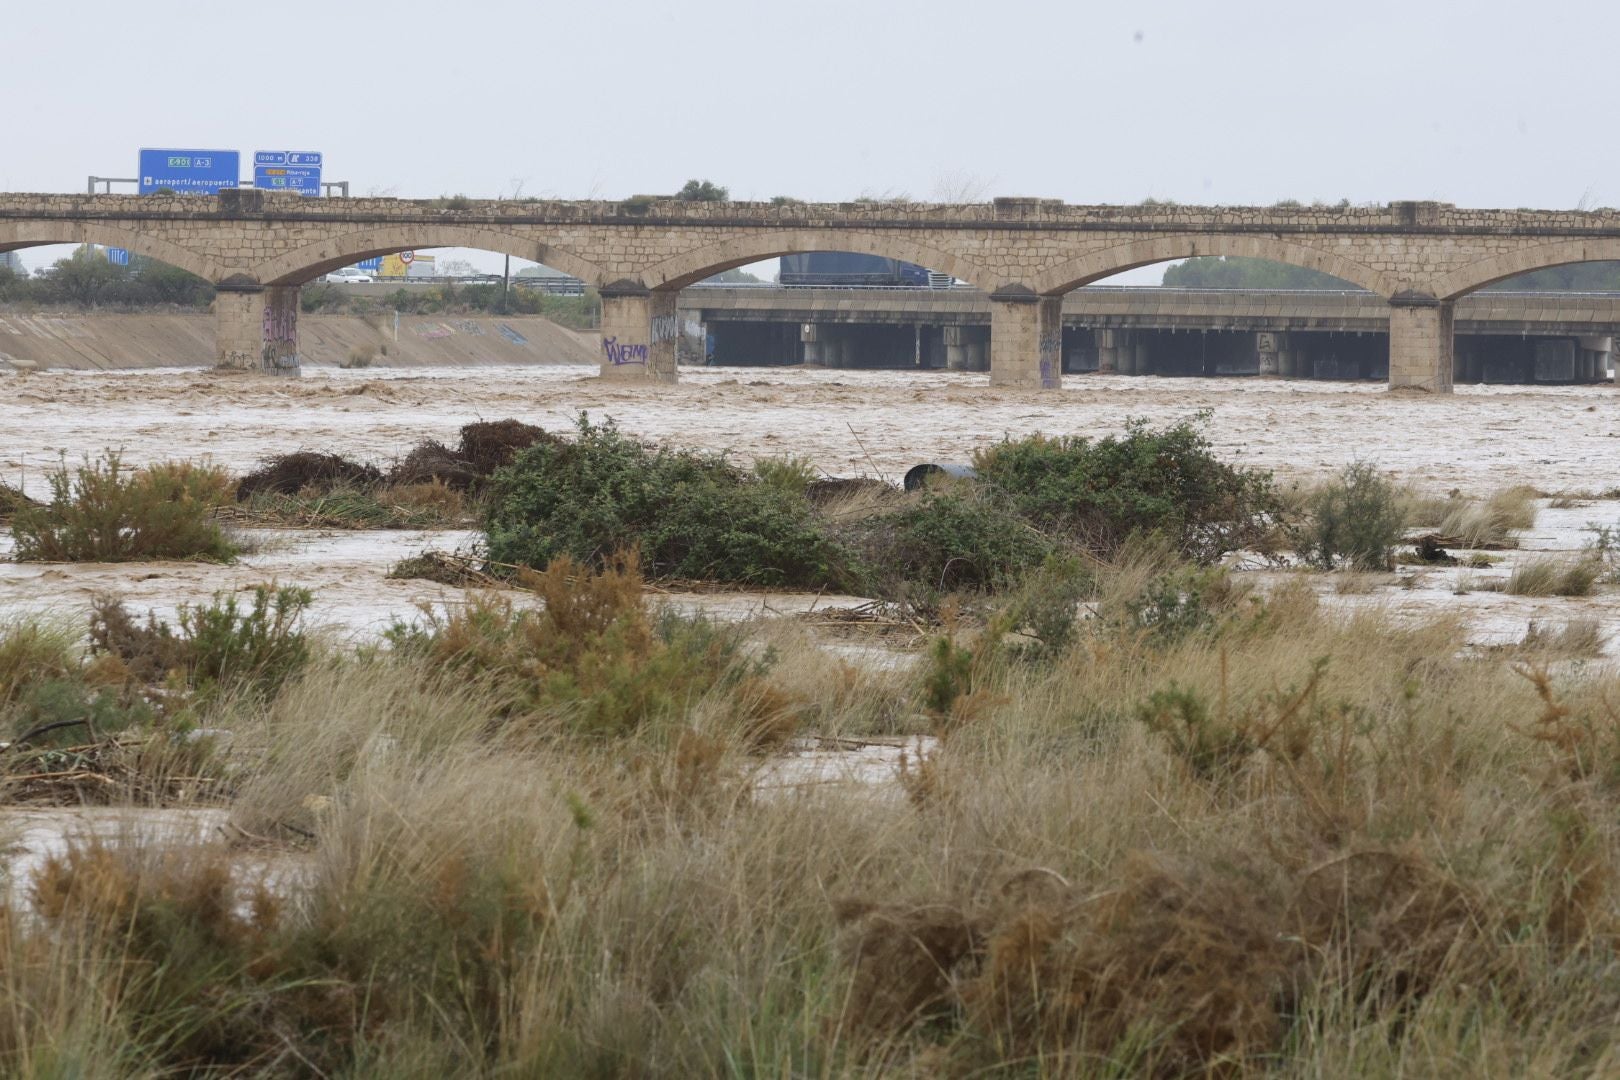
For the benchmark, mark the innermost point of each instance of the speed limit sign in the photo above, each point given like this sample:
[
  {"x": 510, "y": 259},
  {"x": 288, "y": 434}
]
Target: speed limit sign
[{"x": 407, "y": 257}]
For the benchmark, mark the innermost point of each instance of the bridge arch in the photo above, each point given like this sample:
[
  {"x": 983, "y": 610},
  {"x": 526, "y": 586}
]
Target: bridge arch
[
  {"x": 1482, "y": 272},
  {"x": 1059, "y": 279},
  {"x": 693, "y": 266},
  {"x": 313, "y": 260},
  {"x": 25, "y": 234}
]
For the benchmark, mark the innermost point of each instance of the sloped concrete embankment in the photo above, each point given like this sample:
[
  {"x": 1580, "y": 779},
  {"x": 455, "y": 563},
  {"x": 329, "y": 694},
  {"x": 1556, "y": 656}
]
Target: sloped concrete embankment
[{"x": 109, "y": 341}]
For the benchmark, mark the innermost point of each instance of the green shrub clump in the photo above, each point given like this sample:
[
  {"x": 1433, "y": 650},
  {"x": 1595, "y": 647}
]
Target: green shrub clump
[
  {"x": 1099, "y": 493},
  {"x": 944, "y": 542},
  {"x": 589, "y": 658},
  {"x": 1357, "y": 518},
  {"x": 104, "y": 512},
  {"x": 689, "y": 514}
]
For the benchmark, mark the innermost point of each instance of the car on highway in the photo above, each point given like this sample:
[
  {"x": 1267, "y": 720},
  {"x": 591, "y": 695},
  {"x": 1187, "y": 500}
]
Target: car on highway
[{"x": 349, "y": 276}]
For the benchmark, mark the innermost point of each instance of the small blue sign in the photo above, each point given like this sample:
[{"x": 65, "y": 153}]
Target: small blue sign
[
  {"x": 288, "y": 170},
  {"x": 370, "y": 266},
  {"x": 278, "y": 178},
  {"x": 118, "y": 256},
  {"x": 189, "y": 172}
]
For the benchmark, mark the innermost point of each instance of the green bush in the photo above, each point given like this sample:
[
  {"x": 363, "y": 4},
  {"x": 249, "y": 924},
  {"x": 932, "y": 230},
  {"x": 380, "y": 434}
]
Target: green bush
[
  {"x": 219, "y": 646},
  {"x": 1099, "y": 493},
  {"x": 588, "y": 657},
  {"x": 1357, "y": 518},
  {"x": 103, "y": 512},
  {"x": 32, "y": 650},
  {"x": 945, "y": 542},
  {"x": 689, "y": 514}
]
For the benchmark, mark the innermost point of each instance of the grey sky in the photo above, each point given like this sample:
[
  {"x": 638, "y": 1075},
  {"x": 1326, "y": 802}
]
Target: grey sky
[{"x": 1243, "y": 101}]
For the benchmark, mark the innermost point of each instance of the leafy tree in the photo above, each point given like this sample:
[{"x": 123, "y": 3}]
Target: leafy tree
[
  {"x": 1241, "y": 273},
  {"x": 1576, "y": 277},
  {"x": 734, "y": 277},
  {"x": 84, "y": 277},
  {"x": 702, "y": 191}
]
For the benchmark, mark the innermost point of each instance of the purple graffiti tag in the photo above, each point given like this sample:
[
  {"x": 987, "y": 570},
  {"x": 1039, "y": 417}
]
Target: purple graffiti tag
[{"x": 619, "y": 354}]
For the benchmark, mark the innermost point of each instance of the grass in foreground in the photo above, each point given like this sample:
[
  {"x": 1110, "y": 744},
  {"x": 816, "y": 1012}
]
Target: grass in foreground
[{"x": 1203, "y": 831}]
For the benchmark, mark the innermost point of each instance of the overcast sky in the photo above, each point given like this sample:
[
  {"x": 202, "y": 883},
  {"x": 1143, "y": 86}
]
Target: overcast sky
[{"x": 1240, "y": 101}]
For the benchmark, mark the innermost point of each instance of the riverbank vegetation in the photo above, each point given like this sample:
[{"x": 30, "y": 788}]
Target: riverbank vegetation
[
  {"x": 1152, "y": 816},
  {"x": 1271, "y": 839}
]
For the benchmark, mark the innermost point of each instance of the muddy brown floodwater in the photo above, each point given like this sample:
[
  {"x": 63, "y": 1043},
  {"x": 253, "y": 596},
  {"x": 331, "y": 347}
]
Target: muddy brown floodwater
[
  {"x": 845, "y": 422},
  {"x": 1479, "y": 439}
]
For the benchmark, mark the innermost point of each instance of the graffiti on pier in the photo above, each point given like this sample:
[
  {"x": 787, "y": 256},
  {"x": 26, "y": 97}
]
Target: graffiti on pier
[
  {"x": 665, "y": 328},
  {"x": 467, "y": 326},
  {"x": 1051, "y": 353},
  {"x": 618, "y": 354},
  {"x": 512, "y": 335}
]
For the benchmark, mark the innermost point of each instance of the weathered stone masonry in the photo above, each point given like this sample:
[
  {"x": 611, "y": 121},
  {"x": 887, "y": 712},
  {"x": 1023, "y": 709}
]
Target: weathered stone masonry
[{"x": 259, "y": 247}]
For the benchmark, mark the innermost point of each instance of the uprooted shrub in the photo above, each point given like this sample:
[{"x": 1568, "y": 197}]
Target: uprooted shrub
[
  {"x": 485, "y": 446},
  {"x": 1357, "y": 518},
  {"x": 690, "y": 514},
  {"x": 306, "y": 470},
  {"x": 13, "y": 499},
  {"x": 1101, "y": 492},
  {"x": 102, "y": 511},
  {"x": 589, "y": 659}
]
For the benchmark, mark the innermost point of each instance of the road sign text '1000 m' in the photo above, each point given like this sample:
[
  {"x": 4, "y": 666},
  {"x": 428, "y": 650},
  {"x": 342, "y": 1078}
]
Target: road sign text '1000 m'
[
  {"x": 288, "y": 170},
  {"x": 189, "y": 172}
]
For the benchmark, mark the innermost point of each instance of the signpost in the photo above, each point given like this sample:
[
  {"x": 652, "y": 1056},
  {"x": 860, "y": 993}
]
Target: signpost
[
  {"x": 118, "y": 256},
  {"x": 288, "y": 170},
  {"x": 370, "y": 266},
  {"x": 189, "y": 172}
]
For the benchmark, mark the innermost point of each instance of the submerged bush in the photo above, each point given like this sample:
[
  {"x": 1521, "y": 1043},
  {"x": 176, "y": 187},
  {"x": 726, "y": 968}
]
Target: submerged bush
[
  {"x": 218, "y": 646},
  {"x": 104, "y": 512},
  {"x": 1357, "y": 518},
  {"x": 589, "y": 658},
  {"x": 1555, "y": 577},
  {"x": 1165, "y": 481},
  {"x": 944, "y": 542},
  {"x": 689, "y": 514}
]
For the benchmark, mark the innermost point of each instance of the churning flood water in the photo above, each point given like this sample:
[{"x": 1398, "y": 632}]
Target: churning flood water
[{"x": 1480, "y": 440}]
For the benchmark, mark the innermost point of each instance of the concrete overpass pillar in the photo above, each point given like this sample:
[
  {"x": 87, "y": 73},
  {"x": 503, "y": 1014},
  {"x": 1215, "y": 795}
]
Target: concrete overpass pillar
[
  {"x": 977, "y": 348},
  {"x": 1026, "y": 339},
  {"x": 1107, "y": 351},
  {"x": 1266, "y": 348},
  {"x": 1287, "y": 357},
  {"x": 956, "y": 349},
  {"x": 810, "y": 335},
  {"x": 1140, "y": 365},
  {"x": 1420, "y": 342},
  {"x": 256, "y": 327},
  {"x": 639, "y": 333}
]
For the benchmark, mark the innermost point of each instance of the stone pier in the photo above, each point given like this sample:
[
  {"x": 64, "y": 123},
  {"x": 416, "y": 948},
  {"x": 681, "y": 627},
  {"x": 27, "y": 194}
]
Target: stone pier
[
  {"x": 639, "y": 333},
  {"x": 1420, "y": 343},
  {"x": 256, "y": 328},
  {"x": 1026, "y": 339}
]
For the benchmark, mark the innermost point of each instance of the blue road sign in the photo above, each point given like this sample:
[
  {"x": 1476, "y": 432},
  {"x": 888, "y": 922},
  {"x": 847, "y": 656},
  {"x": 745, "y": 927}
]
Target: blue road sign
[
  {"x": 189, "y": 172},
  {"x": 288, "y": 170},
  {"x": 118, "y": 256},
  {"x": 278, "y": 178},
  {"x": 370, "y": 266}
]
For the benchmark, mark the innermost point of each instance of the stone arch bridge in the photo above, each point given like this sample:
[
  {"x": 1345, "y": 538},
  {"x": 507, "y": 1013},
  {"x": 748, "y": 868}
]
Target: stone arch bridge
[{"x": 258, "y": 247}]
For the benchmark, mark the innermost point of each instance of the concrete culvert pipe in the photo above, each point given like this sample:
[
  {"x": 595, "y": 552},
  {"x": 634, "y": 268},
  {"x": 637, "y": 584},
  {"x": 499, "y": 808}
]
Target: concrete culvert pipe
[{"x": 919, "y": 476}]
